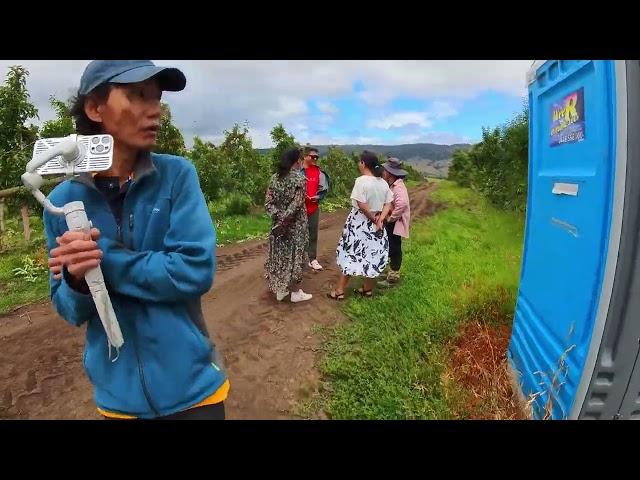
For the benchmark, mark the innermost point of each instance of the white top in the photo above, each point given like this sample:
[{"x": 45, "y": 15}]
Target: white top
[{"x": 374, "y": 191}]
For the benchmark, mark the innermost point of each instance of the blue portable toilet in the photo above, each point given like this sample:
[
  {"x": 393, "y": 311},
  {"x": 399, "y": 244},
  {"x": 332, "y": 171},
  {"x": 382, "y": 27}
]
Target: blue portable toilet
[{"x": 576, "y": 334}]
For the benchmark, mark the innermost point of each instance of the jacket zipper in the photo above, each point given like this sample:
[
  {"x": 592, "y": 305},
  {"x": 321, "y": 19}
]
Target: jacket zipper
[
  {"x": 142, "y": 380},
  {"x": 128, "y": 242},
  {"x": 133, "y": 328}
]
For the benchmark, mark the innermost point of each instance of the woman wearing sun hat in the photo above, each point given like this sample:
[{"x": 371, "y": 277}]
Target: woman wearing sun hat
[{"x": 397, "y": 225}]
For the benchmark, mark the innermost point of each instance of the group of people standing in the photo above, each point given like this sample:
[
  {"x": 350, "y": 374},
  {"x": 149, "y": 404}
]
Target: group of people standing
[
  {"x": 155, "y": 242},
  {"x": 372, "y": 235}
]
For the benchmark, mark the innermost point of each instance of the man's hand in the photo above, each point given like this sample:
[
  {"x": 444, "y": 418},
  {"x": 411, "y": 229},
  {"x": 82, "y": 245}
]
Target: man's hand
[
  {"x": 77, "y": 251},
  {"x": 313, "y": 199},
  {"x": 57, "y": 271}
]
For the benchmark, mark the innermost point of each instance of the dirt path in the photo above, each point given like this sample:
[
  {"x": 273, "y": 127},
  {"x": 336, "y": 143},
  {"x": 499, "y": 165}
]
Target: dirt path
[{"x": 269, "y": 348}]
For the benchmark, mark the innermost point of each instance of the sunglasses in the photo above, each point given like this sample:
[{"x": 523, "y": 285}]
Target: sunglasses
[{"x": 315, "y": 157}]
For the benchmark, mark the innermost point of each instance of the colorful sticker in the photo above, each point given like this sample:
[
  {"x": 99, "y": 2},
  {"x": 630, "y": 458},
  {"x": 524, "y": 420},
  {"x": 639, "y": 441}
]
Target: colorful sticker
[{"x": 567, "y": 119}]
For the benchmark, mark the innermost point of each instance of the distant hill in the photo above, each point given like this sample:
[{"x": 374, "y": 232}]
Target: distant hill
[
  {"x": 433, "y": 168},
  {"x": 429, "y": 158}
]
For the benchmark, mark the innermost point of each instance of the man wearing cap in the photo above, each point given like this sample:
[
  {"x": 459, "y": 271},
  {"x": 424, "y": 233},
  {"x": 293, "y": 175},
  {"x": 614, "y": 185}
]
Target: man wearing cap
[
  {"x": 398, "y": 221},
  {"x": 155, "y": 242}
]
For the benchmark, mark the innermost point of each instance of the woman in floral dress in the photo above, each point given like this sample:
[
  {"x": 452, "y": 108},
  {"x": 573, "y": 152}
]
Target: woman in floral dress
[{"x": 289, "y": 232}]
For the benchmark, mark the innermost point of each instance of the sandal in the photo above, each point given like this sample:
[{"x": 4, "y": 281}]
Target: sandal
[
  {"x": 362, "y": 292},
  {"x": 336, "y": 296}
]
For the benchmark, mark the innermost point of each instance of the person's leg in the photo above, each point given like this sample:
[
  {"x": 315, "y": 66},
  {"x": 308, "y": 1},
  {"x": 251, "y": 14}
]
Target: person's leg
[
  {"x": 399, "y": 264},
  {"x": 395, "y": 254},
  {"x": 343, "y": 281},
  {"x": 314, "y": 222},
  {"x": 389, "y": 227},
  {"x": 368, "y": 284},
  {"x": 208, "y": 412},
  {"x": 395, "y": 246}
]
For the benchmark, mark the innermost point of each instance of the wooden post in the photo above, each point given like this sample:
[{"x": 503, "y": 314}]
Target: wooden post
[
  {"x": 3, "y": 207},
  {"x": 25, "y": 222}
]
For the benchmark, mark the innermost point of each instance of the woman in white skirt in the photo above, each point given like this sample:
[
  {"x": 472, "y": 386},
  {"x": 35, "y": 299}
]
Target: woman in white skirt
[{"x": 363, "y": 249}]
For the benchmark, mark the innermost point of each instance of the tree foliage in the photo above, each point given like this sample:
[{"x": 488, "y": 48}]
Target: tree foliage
[
  {"x": 342, "y": 170},
  {"x": 62, "y": 125},
  {"x": 497, "y": 166},
  {"x": 232, "y": 167},
  {"x": 16, "y": 138},
  {"x": 170, "y": 139},
  {"x": 233, "y": 170},
  {"x": 281, "y": 141}
]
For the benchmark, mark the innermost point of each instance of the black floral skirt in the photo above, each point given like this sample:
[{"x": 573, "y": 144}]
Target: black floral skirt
[{"x": 360, "y": 252}]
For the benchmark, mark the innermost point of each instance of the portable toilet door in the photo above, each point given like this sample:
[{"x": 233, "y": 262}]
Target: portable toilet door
[
  {"x": 577, "y": 171},
  {"x": 611, "y": 379}
]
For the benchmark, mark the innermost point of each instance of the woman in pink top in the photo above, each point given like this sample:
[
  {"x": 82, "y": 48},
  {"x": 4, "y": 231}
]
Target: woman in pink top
[{"x": 398, "y": 221}]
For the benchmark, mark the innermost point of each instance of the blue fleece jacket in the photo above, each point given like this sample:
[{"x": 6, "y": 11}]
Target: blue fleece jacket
[{"x": 156, "y": 264}]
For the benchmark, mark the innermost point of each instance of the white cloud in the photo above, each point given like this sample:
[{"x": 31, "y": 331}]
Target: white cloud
[
  {"x": 327, "y": 139},
  {"x": 439, "y": 78},
  {"x": 260, "y": 138},
  {"x": 288, "y": 107},
  {"x": 375, "y": 98},
  {"x": 368, "y": 140},
  {"x": 441, "y": 138},
  {"x": 441, "y": 109},
  {"x": 323, "y": 119},
  {"x": 327, "y": 107},
  {"x": 401, "y": 119},
  {"x": 222, "y": 92}
]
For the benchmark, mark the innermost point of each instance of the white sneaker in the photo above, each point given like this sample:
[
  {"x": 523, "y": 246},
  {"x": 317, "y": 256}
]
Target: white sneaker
[
  {"x": 315, "y": 265},
  {"x": 281, "y": 295},
  {"x": 300, "y": 296}
]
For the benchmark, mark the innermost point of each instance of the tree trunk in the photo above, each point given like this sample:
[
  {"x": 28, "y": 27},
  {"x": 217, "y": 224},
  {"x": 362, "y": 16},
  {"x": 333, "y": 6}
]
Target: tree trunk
[
  {"x": 10, "y": 191},
  {"x": 25, "y": 222},
  {"x": 3, "y": 227}
]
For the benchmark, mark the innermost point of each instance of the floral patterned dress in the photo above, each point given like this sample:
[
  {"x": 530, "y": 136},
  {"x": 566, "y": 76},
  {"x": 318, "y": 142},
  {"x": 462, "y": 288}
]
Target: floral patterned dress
[
  {"x": 360, "y": 251},
  {"x": 289, "y": 232}
]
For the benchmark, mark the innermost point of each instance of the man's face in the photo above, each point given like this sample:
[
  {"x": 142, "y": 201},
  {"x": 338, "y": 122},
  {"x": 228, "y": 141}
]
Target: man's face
[
  {"x": 131, "y": 114},
  {"x": 312, "y": 157}
]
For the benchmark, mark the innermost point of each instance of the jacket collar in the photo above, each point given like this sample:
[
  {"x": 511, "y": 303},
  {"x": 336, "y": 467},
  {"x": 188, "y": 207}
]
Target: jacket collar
[{"x": 144, "y": 166}]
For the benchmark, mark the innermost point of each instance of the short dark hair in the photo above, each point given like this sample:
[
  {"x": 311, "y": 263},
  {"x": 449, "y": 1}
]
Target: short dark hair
[
  {"x": 84, "y": 125},
  {"x": 308, "y": 150}
]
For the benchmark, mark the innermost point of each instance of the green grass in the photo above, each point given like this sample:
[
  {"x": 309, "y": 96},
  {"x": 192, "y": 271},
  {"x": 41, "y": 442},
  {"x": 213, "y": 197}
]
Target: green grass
[
  {"x": 237, "y": 220},
  {"x": 388, "y": 362},
  {"x": 237, "y": 228},
  {"x": 14, "y": 289},
  {"x": 331, "y": 204}
]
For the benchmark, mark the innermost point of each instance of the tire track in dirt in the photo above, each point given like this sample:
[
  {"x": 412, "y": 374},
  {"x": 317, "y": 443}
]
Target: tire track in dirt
[
  {"x": 268, "y": 347},
  {"x": 421, "y": 203}
]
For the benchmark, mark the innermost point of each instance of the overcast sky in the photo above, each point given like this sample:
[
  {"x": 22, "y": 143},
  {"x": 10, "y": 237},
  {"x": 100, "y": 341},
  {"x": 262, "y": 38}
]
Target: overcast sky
[{"x": 323, "y": 102}]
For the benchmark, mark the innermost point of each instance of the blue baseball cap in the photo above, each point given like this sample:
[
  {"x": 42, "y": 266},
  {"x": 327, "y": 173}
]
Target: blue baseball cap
[{"x": 99, "y": 72}]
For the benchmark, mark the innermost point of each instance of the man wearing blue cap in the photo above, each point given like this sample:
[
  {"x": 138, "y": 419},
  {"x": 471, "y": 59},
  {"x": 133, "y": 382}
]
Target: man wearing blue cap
[{"x": 155, "y": 242}]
